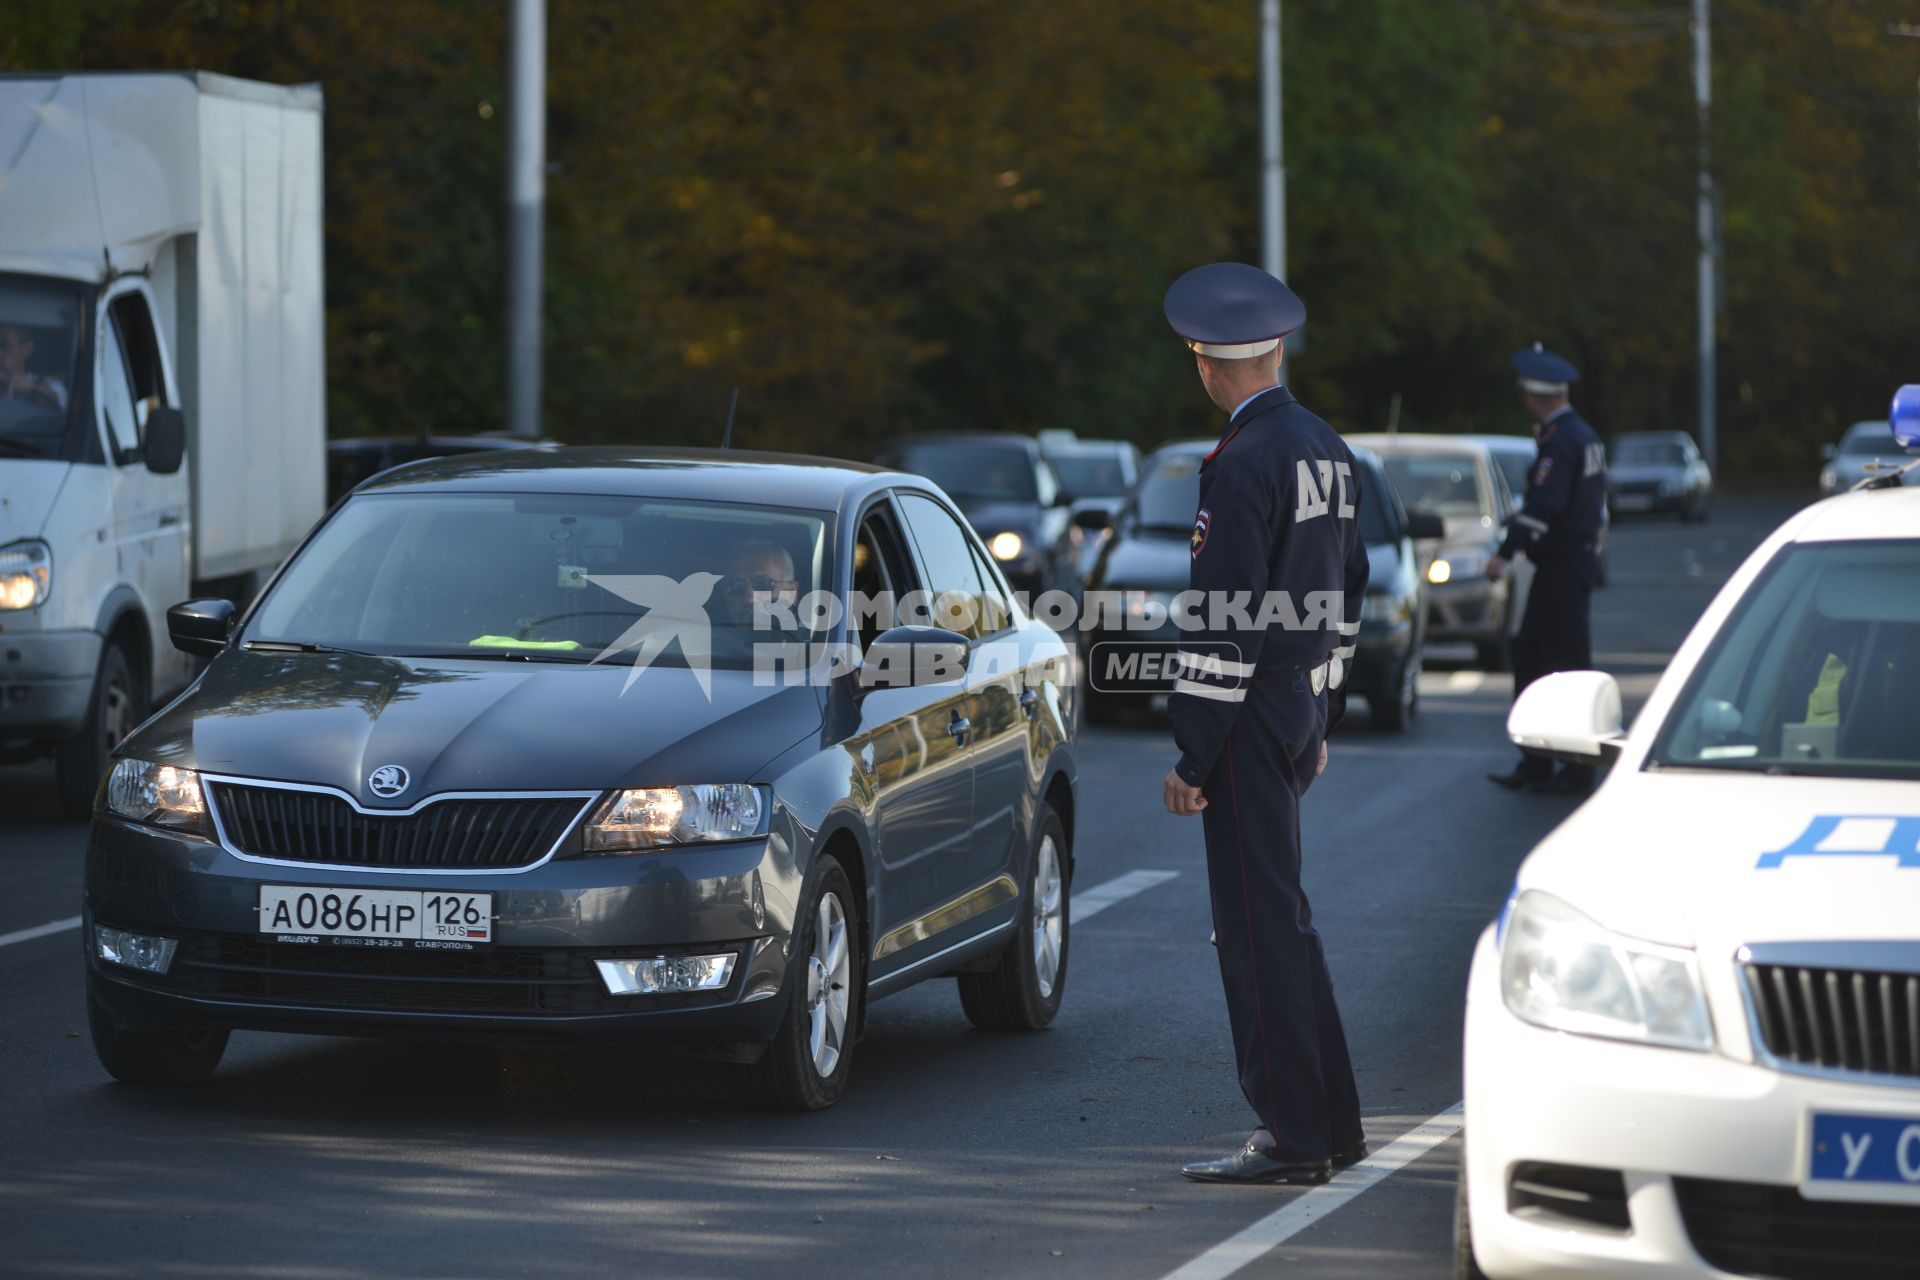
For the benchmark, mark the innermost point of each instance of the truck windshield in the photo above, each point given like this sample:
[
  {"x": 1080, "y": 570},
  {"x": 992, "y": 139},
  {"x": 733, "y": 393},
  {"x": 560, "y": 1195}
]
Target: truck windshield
[
  {"x": 39, "y": 353},
  {"x": 549, "y": 577},
  {"x": 1818, "y": 672}
]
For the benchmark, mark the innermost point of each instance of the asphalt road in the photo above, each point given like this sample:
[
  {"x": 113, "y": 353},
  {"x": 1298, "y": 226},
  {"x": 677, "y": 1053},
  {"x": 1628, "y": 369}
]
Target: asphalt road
[{"x": 955, "y": 1153}]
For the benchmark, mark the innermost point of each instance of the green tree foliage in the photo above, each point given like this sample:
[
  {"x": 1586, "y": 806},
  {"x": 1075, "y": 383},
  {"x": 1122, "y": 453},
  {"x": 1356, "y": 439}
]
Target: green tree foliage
[{"x": 875, "y": 217}]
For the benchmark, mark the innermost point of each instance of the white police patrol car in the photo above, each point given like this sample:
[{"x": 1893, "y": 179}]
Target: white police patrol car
[{"x": 1693, "y": 1036}]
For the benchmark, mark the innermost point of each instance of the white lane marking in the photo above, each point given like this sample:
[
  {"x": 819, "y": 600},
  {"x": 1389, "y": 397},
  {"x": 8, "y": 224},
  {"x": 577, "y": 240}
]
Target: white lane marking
[
  {"x": 1465, "y": 681},
  {"x": 39, "y": 931},
  {"x": 1288, "y": 1221},
  {"x": 1091, "y": 902}
]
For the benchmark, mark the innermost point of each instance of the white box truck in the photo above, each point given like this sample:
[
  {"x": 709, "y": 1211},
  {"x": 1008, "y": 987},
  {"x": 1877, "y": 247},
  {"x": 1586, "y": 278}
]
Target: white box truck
[{"x": 162, "y": 357}]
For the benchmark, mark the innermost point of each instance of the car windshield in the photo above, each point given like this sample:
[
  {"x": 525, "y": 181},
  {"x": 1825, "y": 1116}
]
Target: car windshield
[
  {"x": 1649, "y": 453},
  {"x": 973, "y": 471},
  {"x": 549, "y": 577},
  {"x": 1168, "y": 499},
  {"x": 1818, "y": 671},
  {"x": 1090, "y": 474},
  {"x": 1446, "y": 484},
  {"x": 39, "y": 350},
  {"x": 1869, "y": 438}
]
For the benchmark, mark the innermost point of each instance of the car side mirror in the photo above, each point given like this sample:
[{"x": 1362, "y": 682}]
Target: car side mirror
[
  {"x": 1093, "y": 519},
  {"x": 201, "y": 627},
  {"x": 165, "y": 444},
  {"x": 911, "y": 656},
  {"x": 1422, "y": 525},
  {"x": 1826, "y": 453},
  {"x": 1569, "y": 715}
]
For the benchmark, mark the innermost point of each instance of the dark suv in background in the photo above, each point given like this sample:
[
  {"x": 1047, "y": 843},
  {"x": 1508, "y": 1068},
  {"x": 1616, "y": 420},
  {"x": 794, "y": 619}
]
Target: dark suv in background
[{"x": 1010, "y": 493}]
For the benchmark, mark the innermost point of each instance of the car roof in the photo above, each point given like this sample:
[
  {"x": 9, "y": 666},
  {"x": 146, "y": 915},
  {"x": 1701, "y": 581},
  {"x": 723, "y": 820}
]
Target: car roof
[
  {"x": 1507, "y": 444},
  {"x": 474, "y": 443},
  {"x": 1869, "y": 515},
  {"x": 1673, "y": 437},
  {"x": 1382, "y": 443},
  {"x": 1067, "y": 448},
  {"x": 711, "y": 475},
  {"x": 1026, "y": 443}
]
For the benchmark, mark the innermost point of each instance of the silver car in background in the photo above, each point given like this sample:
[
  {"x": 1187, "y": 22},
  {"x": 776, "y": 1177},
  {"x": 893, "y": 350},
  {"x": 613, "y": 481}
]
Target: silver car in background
[{"x": 1864, "y": 446}]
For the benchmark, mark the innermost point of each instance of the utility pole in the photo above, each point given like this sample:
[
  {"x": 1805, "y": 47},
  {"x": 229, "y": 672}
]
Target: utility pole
[
  {"x": 526, "y": 209},
  {"x": 1709, "y": 232},
  {"x": 1273, "y": 173}
]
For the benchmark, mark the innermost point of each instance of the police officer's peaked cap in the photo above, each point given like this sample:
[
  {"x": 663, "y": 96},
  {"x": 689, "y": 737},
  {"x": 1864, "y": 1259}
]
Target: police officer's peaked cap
[
  {"x": 1543, "y": 372},
  {"x": 1232, "y": 311}
]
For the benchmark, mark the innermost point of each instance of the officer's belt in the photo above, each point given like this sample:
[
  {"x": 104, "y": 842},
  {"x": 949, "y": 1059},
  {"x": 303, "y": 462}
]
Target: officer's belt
[{"x": 1317, "y": 675}]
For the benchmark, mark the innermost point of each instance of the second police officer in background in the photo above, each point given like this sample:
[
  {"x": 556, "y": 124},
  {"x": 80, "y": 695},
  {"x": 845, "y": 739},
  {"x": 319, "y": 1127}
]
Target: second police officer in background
[
  {"x": 1251, "y": 710},
  {"x": 1558, "y": 528}
]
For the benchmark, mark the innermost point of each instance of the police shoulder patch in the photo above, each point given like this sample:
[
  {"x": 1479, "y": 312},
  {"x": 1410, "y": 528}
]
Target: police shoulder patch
[
  {"x": 1541, "y": 472},
  {"x": 1201, "y": 524}
]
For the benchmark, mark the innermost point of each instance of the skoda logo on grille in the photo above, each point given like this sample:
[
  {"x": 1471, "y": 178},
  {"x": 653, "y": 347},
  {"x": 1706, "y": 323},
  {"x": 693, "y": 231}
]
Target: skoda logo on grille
[{"x": 388, "y": 781}]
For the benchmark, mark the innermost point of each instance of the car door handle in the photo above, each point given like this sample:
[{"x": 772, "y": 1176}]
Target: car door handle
[
  {"x": 960, "y": 727},
  {"x": 1030, "y": 703}
]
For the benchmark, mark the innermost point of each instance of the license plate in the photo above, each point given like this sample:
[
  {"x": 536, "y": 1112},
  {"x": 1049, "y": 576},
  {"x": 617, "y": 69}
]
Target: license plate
[
  {"x": 1862, "y": 1157},
  {"x": 376, "y": 917},
  {"x": 1632, "y": 502}
]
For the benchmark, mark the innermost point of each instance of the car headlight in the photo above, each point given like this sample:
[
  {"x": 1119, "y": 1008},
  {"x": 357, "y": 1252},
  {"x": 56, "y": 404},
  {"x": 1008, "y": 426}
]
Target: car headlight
[
  {"x": 26, "y": 574},
  {"x": 1561, "y": 970},
  {"x": 159, "y": 795},
  {"x": 1828, "y": 479},
  {"x": 1439, "y": 571},
  {"x": 656, "y": 817},
  {"x": 1005, "y": 546}
]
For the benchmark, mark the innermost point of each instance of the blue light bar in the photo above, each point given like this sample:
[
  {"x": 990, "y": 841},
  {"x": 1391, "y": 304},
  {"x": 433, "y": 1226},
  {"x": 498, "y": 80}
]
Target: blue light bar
[{"x": 1905, "y": 417}]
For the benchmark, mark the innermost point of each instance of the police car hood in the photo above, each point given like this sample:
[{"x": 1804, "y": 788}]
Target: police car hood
[
  {"x": 1715, "y": 860},
  {"x": 474, "y": 725}
]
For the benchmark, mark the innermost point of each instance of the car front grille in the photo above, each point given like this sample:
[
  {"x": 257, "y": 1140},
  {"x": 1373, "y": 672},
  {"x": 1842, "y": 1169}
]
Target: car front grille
[
  {"x": 1750, "y": 1229},
  {"x": 1839, "y": 1019},
  {"x": 507, "y": 981},
  {"x": 321, "y": 827}
]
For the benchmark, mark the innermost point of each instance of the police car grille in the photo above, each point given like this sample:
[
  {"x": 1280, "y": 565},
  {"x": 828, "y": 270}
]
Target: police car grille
[
  {"x": 1843, "y": 1019},
  {"x": 1748, "y": 1229},
  {"x": 311, "y": 826}
]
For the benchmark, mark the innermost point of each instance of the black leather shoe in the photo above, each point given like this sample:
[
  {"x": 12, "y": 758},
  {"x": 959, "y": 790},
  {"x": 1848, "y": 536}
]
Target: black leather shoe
[
  {"x": 1249, "y": 1165},
  {"x": 1515, "y": 781},
  {"x": 1346, "y": 1157}
]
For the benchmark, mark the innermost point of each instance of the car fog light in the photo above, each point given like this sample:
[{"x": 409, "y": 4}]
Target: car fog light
[
  {"x": 134, "y": 950},
  {"x": 665, "y": 975}
]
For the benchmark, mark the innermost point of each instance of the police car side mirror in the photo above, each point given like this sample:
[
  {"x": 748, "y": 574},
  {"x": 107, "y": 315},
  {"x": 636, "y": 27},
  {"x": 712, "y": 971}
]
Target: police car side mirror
[
  {"x": 1570, "y": 715},
  {"x": 910, "y": 656}
]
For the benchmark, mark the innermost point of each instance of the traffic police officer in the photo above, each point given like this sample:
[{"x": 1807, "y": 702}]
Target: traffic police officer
[
  {"x": 1558, "y": 528},
  {"x": 1276, "y": 534}
]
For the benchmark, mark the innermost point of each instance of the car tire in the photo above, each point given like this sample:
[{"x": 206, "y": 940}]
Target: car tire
[
  {"x": 158, "y": 1055},
  {"x": 1394, "y": 712},
  {"x": 118, "y": 704},
  {"x": 1465, "y": 1265},
  {"x": 1022, "y": 991},
  {"x": 805, "y": 1068}
]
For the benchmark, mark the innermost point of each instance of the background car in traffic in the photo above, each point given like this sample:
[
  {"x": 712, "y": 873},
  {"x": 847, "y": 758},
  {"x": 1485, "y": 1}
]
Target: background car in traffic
[
  {"x": 1097, "y": 475},
  {"x": 1457, "y": 479},
  {"x": 1008, "y": 491},
  {"x": 1658, "y": 471},
  {"x": 1147, "y": 559},
  {"x": 1865, "y": 446},
  {"x": 407, "y": 797}
]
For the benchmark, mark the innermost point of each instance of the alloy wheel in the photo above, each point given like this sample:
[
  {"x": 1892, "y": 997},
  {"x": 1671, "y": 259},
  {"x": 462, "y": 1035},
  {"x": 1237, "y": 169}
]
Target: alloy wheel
[
  {"x": 1048, "y": 916},
  {"x": 829, "y": 972}
]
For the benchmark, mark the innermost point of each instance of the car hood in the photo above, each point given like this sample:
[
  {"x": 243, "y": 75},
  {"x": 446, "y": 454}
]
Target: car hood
[
  {"x": 1650, "y": 473},
  {"x": 1147, "y": 562},
  {"x": 465, "y": 725},
  {"x": 1717, "y": 861},
  {"x": 28, "y": 487}
]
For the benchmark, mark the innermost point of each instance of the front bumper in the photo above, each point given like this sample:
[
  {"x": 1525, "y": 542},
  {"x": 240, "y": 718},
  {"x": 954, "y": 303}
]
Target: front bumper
[
  {"x": 1709, "y": 1151},
  {"x": 1472, "y": 611},
  {"x": 536, "y": 982},
  {"x": 46, "y": 683}
]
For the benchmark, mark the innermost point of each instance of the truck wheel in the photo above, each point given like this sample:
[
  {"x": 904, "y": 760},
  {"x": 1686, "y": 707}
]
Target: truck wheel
[
  {"x": 1022, "y": 991},
  {"x": 162, "y": 1055},
  {"x": 119, "y": 703},
  {"x": 806, "y": 1066}
]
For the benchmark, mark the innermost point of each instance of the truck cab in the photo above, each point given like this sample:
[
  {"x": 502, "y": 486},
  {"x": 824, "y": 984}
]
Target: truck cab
[{"x": 162, "y": 430}]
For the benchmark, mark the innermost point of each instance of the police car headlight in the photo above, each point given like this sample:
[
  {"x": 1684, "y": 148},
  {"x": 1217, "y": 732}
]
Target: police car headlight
[
  {"x": 1005, "y": 546},
  {"x": 659, "y": 817},
  {"x": 159, "y": 795},
  {"x": 1561, "y": 970}
]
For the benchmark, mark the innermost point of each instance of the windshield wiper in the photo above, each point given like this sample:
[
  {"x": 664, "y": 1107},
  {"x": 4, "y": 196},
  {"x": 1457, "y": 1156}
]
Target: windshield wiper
[{"x": 302, "y": 646}]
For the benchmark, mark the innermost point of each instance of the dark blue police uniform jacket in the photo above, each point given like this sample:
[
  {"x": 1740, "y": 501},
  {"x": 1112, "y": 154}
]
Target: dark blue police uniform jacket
[
  {"x": 1276, "y": 531},
  {"x": 1560, "y": 519}
]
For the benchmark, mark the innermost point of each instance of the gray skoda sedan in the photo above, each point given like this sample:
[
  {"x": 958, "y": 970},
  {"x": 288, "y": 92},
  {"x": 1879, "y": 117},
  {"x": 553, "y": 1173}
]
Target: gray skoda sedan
[{"x": 692, "y": 749}]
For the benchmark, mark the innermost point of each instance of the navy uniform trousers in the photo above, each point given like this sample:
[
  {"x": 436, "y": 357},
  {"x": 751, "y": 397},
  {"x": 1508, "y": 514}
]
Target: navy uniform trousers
[
  {"x": 1556, "y": 631},
  {"x": 1287, "y": 1038}
]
